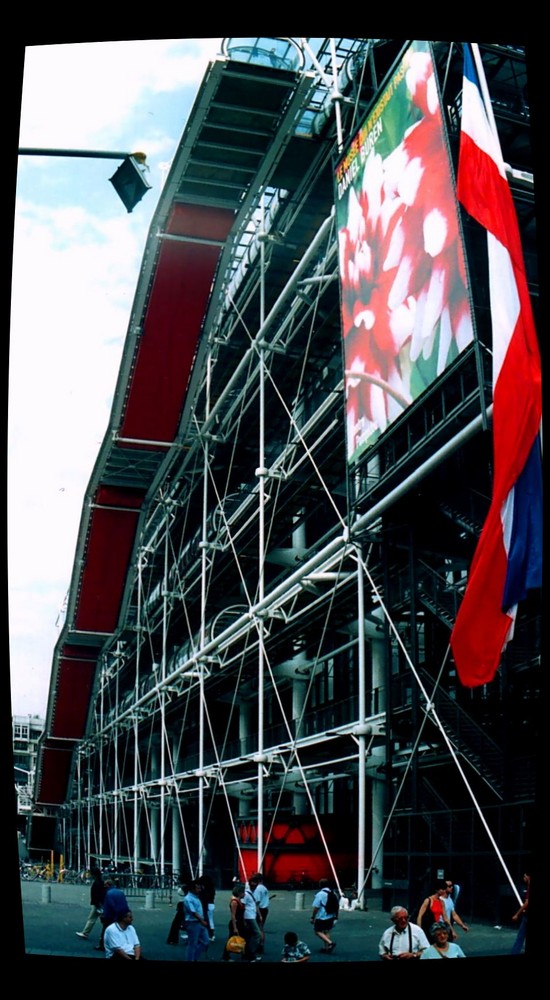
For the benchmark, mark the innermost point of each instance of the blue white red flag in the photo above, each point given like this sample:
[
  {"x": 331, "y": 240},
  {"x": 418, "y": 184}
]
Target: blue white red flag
[{"x": 508, "y": 558}]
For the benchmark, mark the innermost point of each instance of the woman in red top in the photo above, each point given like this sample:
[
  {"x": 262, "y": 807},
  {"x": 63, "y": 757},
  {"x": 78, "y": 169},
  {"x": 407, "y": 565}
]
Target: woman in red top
[{"x": 433, "y": 910}]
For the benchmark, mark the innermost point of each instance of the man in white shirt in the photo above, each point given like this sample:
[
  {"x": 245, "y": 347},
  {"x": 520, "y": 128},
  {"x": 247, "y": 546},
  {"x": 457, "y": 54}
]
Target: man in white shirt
[
  {"x": 261, "y": 895},
  {"x": 402, "y": 940},
  {"x": 252, "y": 925},
  {"x": 121, "y": 940}
]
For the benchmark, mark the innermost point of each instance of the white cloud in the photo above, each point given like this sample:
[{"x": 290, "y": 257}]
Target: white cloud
[
  {"x": 88, "y": 89},
  {"x": 76, "y": 260},
  {"x": 74, "y": 278}
]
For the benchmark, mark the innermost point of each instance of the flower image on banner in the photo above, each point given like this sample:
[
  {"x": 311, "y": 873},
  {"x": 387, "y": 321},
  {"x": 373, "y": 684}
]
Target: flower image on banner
[{"x": 404, "y": 290}]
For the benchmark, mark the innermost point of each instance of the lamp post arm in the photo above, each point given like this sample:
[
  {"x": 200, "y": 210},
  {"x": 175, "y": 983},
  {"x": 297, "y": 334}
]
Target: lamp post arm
[
  {"x": 90, "y": 153},
  {"x": 129, "y": 180}
]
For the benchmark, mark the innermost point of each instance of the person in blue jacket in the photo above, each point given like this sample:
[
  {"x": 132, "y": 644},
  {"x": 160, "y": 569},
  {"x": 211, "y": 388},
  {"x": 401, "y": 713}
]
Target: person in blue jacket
[{"x": 196, "y": 924}]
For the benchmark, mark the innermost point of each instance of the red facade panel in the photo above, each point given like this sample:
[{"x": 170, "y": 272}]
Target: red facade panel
[
  {"x": 112, "y": 496},
  {"x": 178, "y": 301},
  {"x": 74, "y": 686},
  {"x": 110, "y": 542},
  {"x": 54, "y": 775},
  {"x": 175, "y": 314},
  {"x": 201, "y": 221}
]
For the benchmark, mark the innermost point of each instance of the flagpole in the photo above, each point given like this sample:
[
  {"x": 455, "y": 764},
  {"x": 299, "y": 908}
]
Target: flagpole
[{"x": 486, "y": 96}]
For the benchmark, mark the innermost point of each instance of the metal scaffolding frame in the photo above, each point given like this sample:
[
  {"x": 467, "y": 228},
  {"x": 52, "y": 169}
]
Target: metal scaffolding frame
[{"x": 256, "y": 564}]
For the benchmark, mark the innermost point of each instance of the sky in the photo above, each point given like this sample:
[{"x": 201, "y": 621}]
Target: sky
[{"x": 76, "y": 258}]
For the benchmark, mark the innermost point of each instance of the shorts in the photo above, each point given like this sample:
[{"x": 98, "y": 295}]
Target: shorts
[{"x": 324, "y": 925}]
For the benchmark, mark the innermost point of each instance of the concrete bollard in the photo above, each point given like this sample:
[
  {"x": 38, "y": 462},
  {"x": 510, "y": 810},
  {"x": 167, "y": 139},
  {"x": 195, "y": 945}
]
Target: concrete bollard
[
  {"x": 46, "y": 893},
  {"x": 149, "y": 900},
  {"x": 300, "y": 901}
]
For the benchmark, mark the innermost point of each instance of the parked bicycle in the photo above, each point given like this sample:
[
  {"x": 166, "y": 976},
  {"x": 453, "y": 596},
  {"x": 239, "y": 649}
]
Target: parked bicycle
[
  {"x": 300, "y": 880},
  {"x": 72, "y": 877}
]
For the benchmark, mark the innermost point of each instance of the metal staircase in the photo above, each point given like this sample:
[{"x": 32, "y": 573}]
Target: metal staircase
[
  {"x": 468, "y": 739},
  {"x": 471, "y": 524},
  {"x": 437, "y": 594}
]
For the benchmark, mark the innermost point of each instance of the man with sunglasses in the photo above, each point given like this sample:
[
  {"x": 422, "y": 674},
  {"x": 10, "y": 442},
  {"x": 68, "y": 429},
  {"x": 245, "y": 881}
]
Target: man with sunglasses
[{"x": 450, "y": 912}]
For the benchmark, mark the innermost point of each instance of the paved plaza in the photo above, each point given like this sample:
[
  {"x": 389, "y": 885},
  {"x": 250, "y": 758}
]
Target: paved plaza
[{"x": 53, "y": 913}]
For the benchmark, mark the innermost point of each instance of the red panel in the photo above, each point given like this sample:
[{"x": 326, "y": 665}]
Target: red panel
[
  {"x": 74, "y": 685},
  {"x": 298, "y": 831},
  {"x": 111, "y": 496},
  {"x": 177, "y": 305},
  {"x": 279, "y": 869},
  {"x": 54, "y": 775},
  {"x": 297, "y": 868},
  {"x": 199, "y": 220},
  {"x": 74, "y": 652},
  {"x": 110, "y": 542}
]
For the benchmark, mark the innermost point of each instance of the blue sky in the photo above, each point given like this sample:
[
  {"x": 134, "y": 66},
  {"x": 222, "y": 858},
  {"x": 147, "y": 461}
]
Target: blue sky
[{"x": 76, "y": 258}]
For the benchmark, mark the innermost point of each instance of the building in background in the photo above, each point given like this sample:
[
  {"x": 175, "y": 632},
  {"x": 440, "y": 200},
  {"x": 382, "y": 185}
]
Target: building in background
[
  {"x": 26, "y": 733},
  {"x": 254, "y": 670}
]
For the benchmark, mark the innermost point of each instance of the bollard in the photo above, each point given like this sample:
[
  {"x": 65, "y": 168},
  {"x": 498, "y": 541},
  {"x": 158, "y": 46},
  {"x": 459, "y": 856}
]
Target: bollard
[
  {"x": 149, "y": 900},
  {"x": 300, "y": 901},
  {"x": 46, "y": 893}
]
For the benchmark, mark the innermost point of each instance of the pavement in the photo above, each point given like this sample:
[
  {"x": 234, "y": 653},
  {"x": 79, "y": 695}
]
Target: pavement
[{"x": 53, "y": 913}]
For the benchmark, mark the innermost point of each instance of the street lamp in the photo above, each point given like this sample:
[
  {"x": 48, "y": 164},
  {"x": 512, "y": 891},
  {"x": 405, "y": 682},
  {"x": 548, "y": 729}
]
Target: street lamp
[{"x": 129, "y": 180}]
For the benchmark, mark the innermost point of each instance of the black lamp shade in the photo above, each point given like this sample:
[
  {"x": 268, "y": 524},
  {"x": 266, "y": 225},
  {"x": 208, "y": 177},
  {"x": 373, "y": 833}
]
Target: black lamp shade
[{"x": 130, "y": 183}]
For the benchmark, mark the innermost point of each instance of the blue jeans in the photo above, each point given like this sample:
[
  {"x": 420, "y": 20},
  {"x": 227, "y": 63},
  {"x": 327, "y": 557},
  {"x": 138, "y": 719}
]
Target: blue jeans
[
  {"x": 520, "y": 937},
  {"x": 197, "y": 940}
]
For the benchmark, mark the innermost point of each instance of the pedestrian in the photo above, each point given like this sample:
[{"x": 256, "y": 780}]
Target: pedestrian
[
  {"x": 521, "y": 916},
  {"x": 121, "y": 940},
  {"x": 176, "y": 925},
  {"x": 441, "y": 946},
  {"x": 196, "y": 924},
  {"x": 434, "y": 911},
  {"x": 403, "y": 940},
  {"x": 294, "y": 949},
  {"x": 452, "y": 915},
  {"x": 208, "y": 895},
  {"x": 321, "y": 918},
  {"x": 455, "y": 888},
  {"x": 235, "y": 927},
  {"x": 97, "y": 895},
  {"x": 115, "y": 906},
  {"x": 252, "y": 926},
  {"x": 261, "y": 895}
]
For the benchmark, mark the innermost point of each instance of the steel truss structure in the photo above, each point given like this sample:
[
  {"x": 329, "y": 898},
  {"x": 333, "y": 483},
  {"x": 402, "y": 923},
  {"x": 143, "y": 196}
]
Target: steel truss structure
[{"x": 253, "y": 670}]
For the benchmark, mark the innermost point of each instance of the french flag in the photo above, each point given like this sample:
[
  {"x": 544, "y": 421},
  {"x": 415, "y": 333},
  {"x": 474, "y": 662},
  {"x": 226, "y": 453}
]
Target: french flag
[{"x": 508, "y": 558}]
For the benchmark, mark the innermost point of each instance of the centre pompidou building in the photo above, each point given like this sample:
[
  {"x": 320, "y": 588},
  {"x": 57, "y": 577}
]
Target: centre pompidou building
[{"x": 254, "y": 670}]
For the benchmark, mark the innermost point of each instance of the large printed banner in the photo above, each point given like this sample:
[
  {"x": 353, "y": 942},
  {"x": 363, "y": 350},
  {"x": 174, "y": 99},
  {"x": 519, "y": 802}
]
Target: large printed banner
[{"x": 405, "y": 304}]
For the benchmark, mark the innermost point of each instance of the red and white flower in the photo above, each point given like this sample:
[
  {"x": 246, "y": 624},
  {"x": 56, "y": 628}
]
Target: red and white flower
[{"x": 404, "y": 291}]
